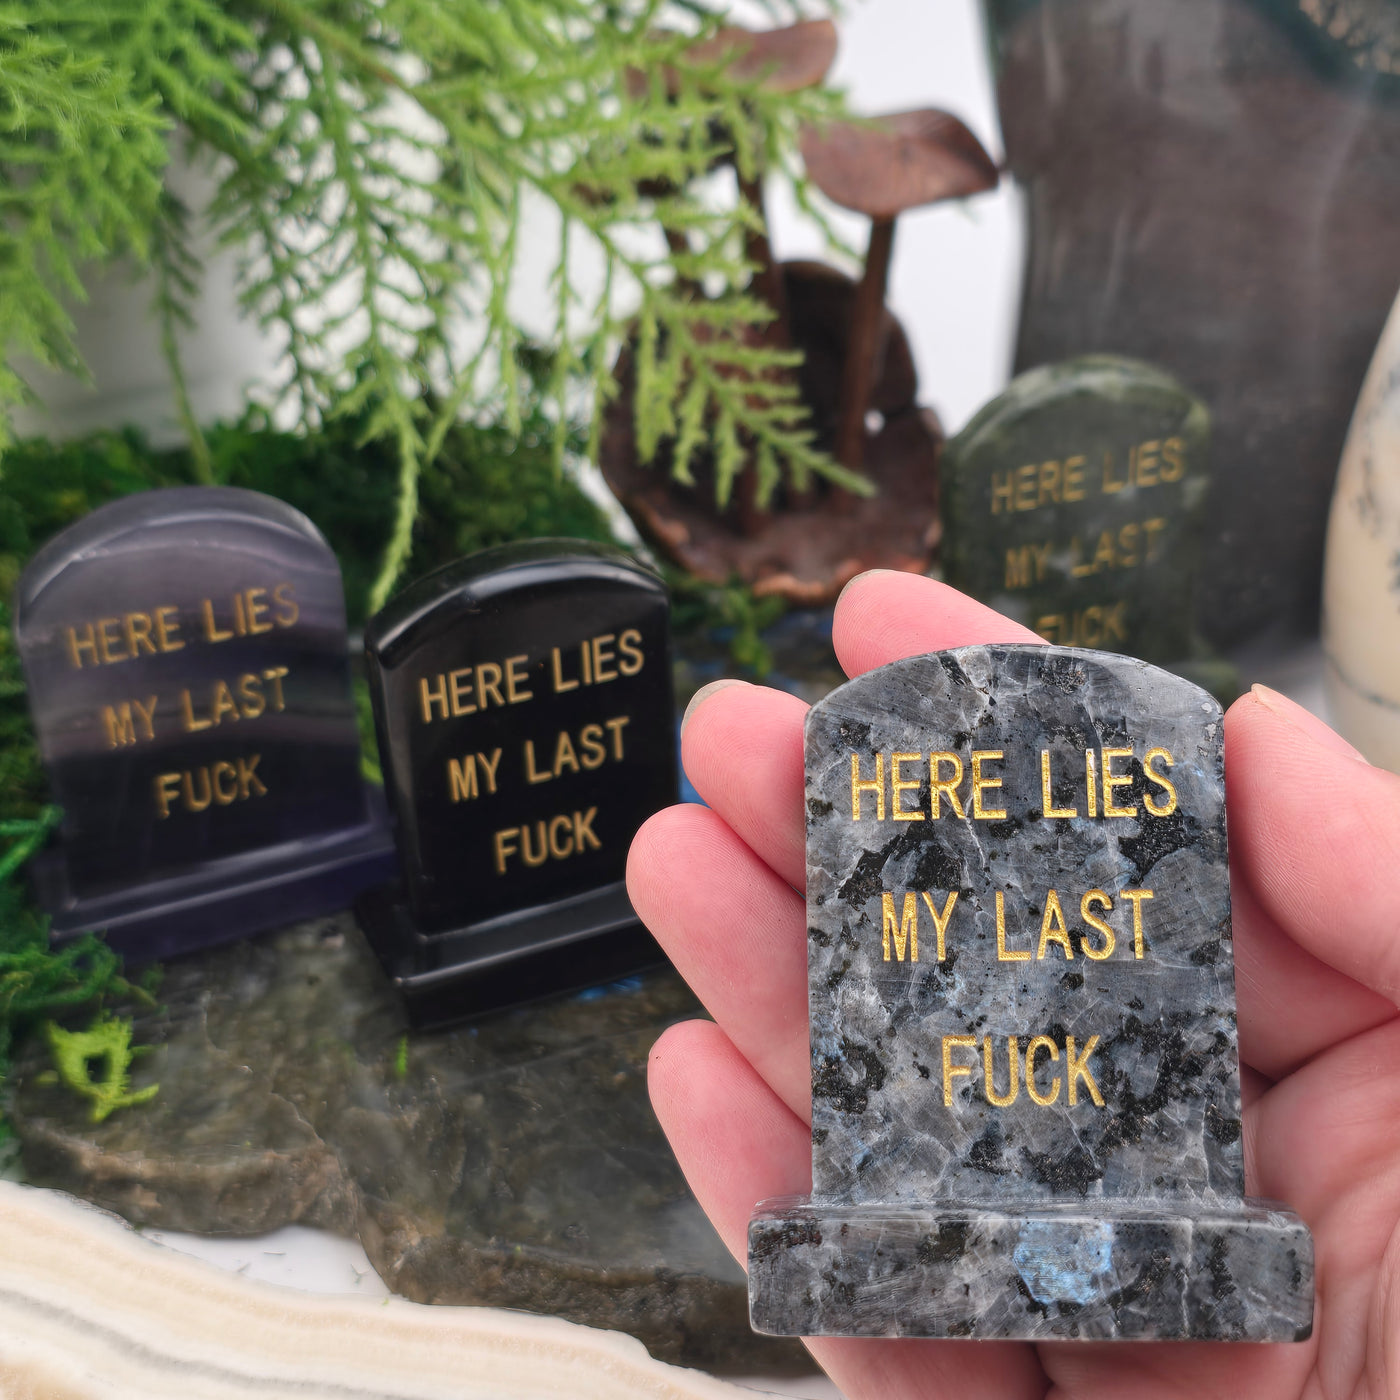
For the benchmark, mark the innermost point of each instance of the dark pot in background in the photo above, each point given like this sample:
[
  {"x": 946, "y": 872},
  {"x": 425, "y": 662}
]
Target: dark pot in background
[{"x": 1214, "y": 186}]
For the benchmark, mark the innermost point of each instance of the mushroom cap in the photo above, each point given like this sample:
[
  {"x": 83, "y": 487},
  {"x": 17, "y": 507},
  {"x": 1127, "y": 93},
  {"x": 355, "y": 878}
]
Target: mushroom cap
[
  {"x": 784, "y": 60},
  {"x": 896, "y": 162}
]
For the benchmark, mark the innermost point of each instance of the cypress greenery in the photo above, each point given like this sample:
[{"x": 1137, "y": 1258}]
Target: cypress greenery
[
  {"x": 378, "y": 160},
  {"x": 38, "y": 984}
]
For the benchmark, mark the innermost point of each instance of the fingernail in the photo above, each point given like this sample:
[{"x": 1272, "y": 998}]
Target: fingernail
[
  {"x": 869, "y": 573},
  {"x": 1300, "y": 718},
  {"x": 704, "y": 694}
]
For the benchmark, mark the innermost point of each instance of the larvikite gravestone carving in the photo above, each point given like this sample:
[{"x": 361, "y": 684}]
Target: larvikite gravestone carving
[
  {"x": 526, "y": 724},
  {"x": 185, "y": 657},
  {"x": 1072, "y": 502},
  {"x": 1025, "y": 1080}
]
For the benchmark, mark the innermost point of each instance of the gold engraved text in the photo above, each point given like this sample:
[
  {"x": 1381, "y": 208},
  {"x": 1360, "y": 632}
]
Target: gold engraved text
[
  {"x": 121, "y": 722},
  {"x": 216, "y": 784},
  {"x": 1041, "y": 1058},
  {"x": 554, "y": 838},
  {"x": 462, "y": 784}
]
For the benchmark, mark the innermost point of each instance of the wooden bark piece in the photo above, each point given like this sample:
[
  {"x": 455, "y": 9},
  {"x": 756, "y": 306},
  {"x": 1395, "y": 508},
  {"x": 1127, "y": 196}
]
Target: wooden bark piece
[{"x": 91, "y": 1311}]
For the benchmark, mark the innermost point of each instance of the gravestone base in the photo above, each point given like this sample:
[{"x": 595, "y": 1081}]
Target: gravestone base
[
  {"x": 443, "y": 976},
  {"x": 235, "y": 897},
  {"x": 1100, "y": 1271}
]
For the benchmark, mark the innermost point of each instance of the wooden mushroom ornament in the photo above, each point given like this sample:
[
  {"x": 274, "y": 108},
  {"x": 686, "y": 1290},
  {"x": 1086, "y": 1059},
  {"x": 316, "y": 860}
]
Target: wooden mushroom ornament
[
  {"x": 805, "y": 545},
  {"x": 785, "y": 60},
  {"x": 881, "y": 169}
]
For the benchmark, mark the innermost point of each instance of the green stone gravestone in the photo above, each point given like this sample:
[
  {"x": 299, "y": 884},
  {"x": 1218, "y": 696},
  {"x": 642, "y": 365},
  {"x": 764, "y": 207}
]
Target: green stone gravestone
[{"x": 1072, "y": 502}]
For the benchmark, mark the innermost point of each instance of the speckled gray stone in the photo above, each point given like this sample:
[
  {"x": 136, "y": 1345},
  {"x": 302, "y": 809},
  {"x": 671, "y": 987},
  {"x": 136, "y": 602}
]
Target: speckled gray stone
[{"x": 1106, "y": 1199}]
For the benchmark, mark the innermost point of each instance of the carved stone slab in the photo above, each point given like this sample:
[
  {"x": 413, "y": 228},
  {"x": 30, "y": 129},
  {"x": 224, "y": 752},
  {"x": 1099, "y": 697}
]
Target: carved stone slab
[
  {"x": 188, "y": 676},
  {"x": 1025, "y": 1076}
]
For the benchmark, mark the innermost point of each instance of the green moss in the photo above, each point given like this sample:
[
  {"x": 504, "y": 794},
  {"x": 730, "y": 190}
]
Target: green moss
[
  {"x": 730, "y": 611},
  {"x": 106, "y": 1046},
  {"x": 45, "y": 486},
  {"x": 487, "y": 486},
  {"x": 38, "y": 982},
  {"x": 21, "y": 774}
]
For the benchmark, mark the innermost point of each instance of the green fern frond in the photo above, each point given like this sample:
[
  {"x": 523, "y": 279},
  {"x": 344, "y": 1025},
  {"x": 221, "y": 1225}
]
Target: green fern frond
[{"x": 380, "y": 160}]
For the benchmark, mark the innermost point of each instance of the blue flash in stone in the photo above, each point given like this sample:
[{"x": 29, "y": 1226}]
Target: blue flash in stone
[{"x": 1053, "y": 1267}]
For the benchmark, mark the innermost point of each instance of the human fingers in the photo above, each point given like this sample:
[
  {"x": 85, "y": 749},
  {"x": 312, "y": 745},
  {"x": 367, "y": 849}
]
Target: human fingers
[
  {"x": 742, "y": 749},
  {"x": 738, "y": 1144},
  {"x": 1315, "y": 833},
  {"x": 742, "y": 744},
  {"x": 736, "y": 932},
  {"x": 1291, "y": 1004},
  {"x": 1177, "y": 1370},
  {"x": 882, "y": 616},
  {"x": 735, "y": 1140},
  {"x": 1331, "y": 1127},
  {"x": 1327, "y": 1140}
]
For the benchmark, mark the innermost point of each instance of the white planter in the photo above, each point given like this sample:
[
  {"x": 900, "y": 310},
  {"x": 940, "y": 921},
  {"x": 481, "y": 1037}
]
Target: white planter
[{"x": 1361, "y": 575}]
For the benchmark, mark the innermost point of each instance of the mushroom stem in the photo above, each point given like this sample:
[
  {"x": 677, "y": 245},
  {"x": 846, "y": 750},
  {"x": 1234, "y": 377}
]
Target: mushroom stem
[
  {"x": 679, "y": 245},
  {"x": 768, "y": 280},
  {"x": 750, "y": 517},
  {"x": 862, "y": 346}
]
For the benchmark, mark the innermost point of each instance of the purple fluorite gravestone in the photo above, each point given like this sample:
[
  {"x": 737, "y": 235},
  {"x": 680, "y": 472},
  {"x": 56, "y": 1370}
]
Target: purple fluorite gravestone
[{"x": 185, "y": 656}]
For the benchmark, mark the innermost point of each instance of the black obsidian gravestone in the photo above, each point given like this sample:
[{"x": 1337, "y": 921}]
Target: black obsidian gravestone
[
  {"x": 185, "y": 656},
  {"x": 526, "y": 725},
  {"x": 1025, "y": 1082}
]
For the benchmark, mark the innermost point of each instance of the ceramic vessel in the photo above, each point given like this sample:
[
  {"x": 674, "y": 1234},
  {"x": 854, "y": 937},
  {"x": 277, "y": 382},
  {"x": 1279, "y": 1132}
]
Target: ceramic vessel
[{"x": 1361, "y": 577}]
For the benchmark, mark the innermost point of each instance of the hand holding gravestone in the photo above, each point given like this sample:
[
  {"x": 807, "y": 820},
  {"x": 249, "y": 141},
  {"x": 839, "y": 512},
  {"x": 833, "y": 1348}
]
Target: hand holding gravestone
[{"x": 1313, "y": 920}]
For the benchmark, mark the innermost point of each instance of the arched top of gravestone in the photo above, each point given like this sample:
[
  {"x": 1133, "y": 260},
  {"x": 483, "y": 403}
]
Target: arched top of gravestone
[
  {"x": 1101, "y": 377},
  {"x": 482, "y": 580},
  {"x": 135, "y": 523},
  {"x": 1113, "y": 687}
]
